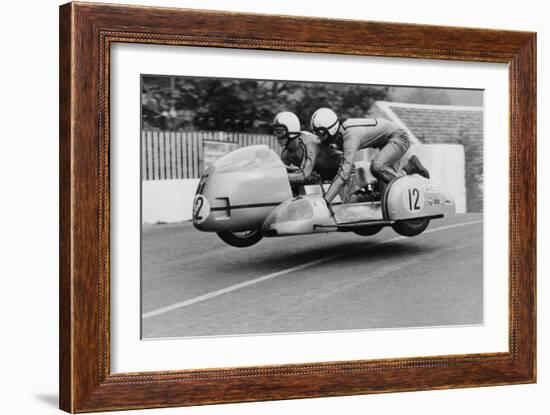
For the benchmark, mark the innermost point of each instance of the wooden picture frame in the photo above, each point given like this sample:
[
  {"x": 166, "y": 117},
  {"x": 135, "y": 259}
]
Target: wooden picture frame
[{"x": 86, "y": 33}]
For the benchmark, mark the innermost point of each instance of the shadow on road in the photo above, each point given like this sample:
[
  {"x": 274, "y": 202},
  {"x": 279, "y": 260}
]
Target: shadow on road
[{"x": 347, "y": 253}]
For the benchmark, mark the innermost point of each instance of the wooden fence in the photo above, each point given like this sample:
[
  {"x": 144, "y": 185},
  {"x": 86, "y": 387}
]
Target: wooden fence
[{"x": 167, "y": 155}]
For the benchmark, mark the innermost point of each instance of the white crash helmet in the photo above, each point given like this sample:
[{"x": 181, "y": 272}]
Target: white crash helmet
[
  {"x": 286, "y": 125},
  {"x": 324, "y": 120}
]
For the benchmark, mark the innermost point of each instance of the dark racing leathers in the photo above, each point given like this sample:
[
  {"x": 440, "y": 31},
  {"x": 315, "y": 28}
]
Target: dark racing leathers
[
  {"x": 312, "y": 159},
  {"x": 360, "y": 133}
]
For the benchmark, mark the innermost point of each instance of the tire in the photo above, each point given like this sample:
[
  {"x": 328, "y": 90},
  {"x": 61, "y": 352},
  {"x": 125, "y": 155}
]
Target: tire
[
  {"x": 241, "y": 239},
  {"x": 411, "y": 227},
  {"x": 368, "y": 230}
]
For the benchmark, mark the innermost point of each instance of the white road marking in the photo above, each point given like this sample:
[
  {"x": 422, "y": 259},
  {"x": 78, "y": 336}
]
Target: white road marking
[{"x": 286, "y": 271}]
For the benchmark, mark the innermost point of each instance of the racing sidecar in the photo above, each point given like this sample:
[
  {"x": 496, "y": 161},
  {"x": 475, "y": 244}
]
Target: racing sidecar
[{"x": 246, "y": 195}]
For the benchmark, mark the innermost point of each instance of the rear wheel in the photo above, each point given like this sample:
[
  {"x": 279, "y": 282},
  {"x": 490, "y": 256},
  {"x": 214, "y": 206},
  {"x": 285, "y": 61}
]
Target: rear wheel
[
  {"x": 241, "y": 239},
  {"x": 411, "y": 227},
  {"x": 368, "y": 230}
]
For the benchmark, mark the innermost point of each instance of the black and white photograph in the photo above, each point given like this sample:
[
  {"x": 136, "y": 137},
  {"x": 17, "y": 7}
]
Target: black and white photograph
[
  {"x": 275, "y": 207},
  {"x": 280, "y": 206}
]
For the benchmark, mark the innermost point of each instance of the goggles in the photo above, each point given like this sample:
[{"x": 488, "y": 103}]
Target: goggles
[
  {"x": 323, "y": 132},
  {"x": 280, "y": 131}
]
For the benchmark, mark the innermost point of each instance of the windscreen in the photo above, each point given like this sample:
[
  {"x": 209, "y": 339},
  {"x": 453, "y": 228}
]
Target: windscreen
[{"x": 259, "y": 157}]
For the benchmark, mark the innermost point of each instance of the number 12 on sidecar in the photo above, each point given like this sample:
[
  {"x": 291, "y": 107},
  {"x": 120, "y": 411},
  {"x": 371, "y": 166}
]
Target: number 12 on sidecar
[{"x": 245, "y": 196}]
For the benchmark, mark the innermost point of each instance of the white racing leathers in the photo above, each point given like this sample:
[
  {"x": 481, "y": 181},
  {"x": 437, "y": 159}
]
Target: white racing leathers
[{"x": 360, "y": 133}]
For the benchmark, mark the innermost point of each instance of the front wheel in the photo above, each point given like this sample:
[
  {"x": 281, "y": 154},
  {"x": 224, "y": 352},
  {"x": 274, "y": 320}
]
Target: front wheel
[
  {"x": 241, "y": 239},
  {"x": 411, "y": 227},
  {"x": 368, "y": 230}
]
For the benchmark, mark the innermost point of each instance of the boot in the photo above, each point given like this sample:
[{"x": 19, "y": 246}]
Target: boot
[
  {"x": 365, "y": 194},
  {"x": 414, "y": 166}
]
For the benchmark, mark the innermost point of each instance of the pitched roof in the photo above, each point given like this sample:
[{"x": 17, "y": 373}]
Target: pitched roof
[{"x": 432, "y": 124}]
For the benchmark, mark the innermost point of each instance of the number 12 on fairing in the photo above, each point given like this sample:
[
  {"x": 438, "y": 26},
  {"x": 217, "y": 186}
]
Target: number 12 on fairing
[{"x": 414, "y": 199}]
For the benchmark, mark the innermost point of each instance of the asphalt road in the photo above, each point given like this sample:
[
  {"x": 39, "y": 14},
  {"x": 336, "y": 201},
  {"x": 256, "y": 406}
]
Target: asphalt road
[{"x": 193, "y": 284}]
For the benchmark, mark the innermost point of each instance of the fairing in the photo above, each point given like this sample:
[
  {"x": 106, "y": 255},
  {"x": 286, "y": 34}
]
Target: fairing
[
  {"x": 411, "y": 197},
  {"x": 239, "y": 190}
]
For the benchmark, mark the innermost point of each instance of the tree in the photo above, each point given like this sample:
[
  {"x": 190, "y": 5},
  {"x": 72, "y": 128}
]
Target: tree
[{"x": 245, "y": 105}]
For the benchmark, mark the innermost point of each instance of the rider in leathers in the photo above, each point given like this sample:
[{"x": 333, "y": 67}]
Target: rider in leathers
[
  {"x": 355, "y": 134},
  {"x": 310, "y": 161}
]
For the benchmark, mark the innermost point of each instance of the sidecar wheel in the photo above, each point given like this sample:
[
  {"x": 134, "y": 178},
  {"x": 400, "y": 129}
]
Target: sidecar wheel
[
  {"x": 368, "y": 230},
  {"x": 411, "y": 227},
  {"x": 241, "y": 239}
]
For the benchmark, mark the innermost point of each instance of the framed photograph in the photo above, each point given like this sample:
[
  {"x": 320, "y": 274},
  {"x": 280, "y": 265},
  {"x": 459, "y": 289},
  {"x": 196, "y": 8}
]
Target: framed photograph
[{"x": 252, "y": 208}]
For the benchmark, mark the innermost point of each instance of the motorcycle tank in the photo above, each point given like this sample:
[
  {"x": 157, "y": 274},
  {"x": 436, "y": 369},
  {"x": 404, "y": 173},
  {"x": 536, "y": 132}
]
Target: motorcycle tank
[
  {"x": 414, "y": 196},
  {"x": 240, "y": 189}
]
